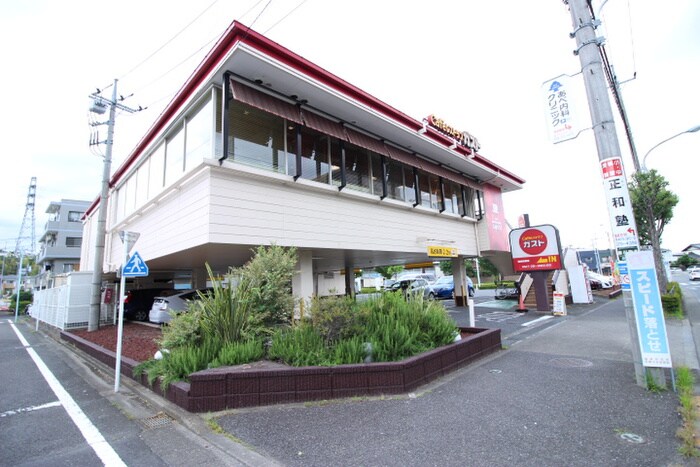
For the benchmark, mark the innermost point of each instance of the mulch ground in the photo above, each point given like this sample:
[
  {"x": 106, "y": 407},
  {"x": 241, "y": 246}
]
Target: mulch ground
[{"x": 138, "y": 340}]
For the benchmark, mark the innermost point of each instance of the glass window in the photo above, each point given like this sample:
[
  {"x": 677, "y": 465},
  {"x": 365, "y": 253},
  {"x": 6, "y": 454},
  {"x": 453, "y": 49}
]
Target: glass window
[
  {"x": 478, "y": 204},
  {"x": 141, "y": 194},
  {"x": 452, "y": 195},
  {"x": 434, "y": 181},
  {"x": 258, "y": 137},
  {"x": 424, "y": 186},
  {"x": 376, "y": 168},
  {"x": 409, "y": 185},
  {"x": 357, "y": 174},
  {"x": 336, "y": 162},
  {"x": 394, "y": 180},
  {"x": 74, "y": 216},
  {"x": 174, "y": 156},
  {"x": 156, "y": 174},
  {"x": 74, "y": 242},
  {"x": 314, "y": 155},
  {"x": 199, "y": 133}
]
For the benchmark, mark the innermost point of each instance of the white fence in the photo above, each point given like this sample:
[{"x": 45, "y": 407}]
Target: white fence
[{"x": 67, "y": 306}]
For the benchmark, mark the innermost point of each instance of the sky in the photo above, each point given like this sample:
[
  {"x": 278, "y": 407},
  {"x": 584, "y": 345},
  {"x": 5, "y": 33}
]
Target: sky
[{"x": 479, "y": 65}]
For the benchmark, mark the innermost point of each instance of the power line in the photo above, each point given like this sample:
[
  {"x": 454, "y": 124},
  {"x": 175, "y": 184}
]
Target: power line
[
  {"x": 170, "y": 40},
  {"x": 285, "y": 16}
]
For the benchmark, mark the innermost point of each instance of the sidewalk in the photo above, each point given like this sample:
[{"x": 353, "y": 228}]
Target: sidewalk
[{"x": 564, "y": 396}]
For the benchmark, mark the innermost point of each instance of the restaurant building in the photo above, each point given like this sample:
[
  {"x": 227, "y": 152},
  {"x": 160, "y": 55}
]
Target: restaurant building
[{"x": 261, "y": 146}]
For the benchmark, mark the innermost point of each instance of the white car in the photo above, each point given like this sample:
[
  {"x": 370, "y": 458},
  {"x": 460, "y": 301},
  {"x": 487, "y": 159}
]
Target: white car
[
  {"x": 164, "y": 307},
  {"x": 599, "y": 280},
  {"x": 694, "y": 274}
]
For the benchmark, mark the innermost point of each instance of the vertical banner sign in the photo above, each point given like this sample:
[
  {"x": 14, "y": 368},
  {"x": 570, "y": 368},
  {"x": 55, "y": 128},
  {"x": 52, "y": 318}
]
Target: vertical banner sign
[
  {"x": 624, "y": 228},
  {"x": 495, "y": 219},
  {"x": 558, "y": 109},
  {"x": 649, "y": 314}
]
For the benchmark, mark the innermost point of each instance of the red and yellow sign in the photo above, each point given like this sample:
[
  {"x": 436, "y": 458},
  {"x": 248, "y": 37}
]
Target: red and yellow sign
[
  {"x": 462, "y": 137},
  {"x": 535, "y": 248}
]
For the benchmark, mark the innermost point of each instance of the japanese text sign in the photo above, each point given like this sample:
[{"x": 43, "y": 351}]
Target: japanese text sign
[
  {"x": 442, "y": 251},
  {"x": 624, "y": 228},
  {"x": 535, "y": 248},
  {"x": 560, "y": 120},
  {"x": 649, "y": 314}
]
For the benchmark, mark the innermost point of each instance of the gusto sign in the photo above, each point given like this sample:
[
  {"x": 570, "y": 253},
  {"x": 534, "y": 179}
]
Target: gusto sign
[{"x": 535, "y": 248}]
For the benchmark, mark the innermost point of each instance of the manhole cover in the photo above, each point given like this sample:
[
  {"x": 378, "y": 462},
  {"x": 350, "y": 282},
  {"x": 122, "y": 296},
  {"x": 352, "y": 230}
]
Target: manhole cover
[
  {"x": 157, "y": 421},
  {"x": 570, "y": 362},
  {"x": 632, "y": 438}
]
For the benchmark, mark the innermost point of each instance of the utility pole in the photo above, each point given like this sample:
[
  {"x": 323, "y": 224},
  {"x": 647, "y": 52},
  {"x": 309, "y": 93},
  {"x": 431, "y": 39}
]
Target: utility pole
[
  {"x": 99, "y": 106},
  {"x": 588, "y": 44}
]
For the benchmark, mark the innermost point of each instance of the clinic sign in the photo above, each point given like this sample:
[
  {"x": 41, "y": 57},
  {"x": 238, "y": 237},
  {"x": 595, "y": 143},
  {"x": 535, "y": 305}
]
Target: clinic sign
[
  {"x": 535, "y": 248},
  {"x": 624, "y": 228},
  {"x": 558, "y": 109},
  {"x": 649, "y": 314}
]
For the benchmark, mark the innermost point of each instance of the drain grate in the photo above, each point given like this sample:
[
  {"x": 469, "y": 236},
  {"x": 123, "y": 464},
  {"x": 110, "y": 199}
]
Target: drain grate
[
  {"x": 159, "y": 420},
  {"x": 564, "y": 362}
]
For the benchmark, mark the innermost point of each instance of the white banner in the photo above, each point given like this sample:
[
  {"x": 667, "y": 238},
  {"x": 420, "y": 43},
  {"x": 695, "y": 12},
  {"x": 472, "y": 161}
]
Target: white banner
[
  {"x": 561, "y": 124},
  {"x": 624, "y": 227}
]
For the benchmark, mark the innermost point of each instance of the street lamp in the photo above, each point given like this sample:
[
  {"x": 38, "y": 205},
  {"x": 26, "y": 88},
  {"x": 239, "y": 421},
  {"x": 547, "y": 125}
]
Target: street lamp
[{"x": 691, "y": 130}]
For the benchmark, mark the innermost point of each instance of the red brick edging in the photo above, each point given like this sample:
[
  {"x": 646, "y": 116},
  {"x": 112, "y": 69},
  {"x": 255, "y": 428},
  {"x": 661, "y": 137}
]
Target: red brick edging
[{"x": 228, "y": 388}]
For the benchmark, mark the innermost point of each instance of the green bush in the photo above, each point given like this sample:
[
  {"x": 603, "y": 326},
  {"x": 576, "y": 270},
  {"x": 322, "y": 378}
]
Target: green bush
[
  {"x": 183, "y": 330},
  {"x": 335, "y": 317},
  {"x": 270, "y": 273},
  {"x": 237, "y": 353},
  {"x": 299, "y": 346},
  {"x": 672, "y": 301},
  {"x": 347, "y": 351}
]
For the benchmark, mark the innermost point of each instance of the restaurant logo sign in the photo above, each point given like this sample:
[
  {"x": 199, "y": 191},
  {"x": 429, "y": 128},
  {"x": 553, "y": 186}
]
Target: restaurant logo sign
[{"x": 463, "y": 138}]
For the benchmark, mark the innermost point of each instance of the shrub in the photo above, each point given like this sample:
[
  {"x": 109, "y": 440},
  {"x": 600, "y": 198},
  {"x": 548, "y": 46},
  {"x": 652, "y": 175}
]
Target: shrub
[
  {"x": 672, "y": 300},
  {"x": 183, "y": 330},
  {"x": 270, "y": 274},
  {"x": 299, "y": 346},
  {"x": 335, "y": 317},
  {"x": 236, "y": 353},
  {"x": 347, "y": 351}
]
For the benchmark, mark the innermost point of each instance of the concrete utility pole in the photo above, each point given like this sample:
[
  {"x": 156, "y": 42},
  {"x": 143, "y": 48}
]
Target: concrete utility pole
[
  {"x": 587, "y": 43},
  {"x": 99, "y": 104}
]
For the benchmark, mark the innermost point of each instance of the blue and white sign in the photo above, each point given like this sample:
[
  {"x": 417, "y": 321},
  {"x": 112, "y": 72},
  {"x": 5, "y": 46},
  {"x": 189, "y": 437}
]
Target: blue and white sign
[
  {"x": 624, "y": 275},
  {"x": 135, "y": 267},
  {"x": 649, "y": 314}
]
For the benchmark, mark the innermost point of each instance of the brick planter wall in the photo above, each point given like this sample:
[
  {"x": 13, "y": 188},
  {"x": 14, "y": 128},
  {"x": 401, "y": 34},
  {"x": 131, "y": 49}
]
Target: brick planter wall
[{"x": 228, "y": 388}]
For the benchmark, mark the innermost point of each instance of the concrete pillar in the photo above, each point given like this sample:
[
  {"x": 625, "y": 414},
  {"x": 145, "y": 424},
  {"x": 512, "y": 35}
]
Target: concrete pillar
[
  {"x": 303, "y": 281},
  {"x": 349, "y": 279},
  {"x": 459, "y": 274}
]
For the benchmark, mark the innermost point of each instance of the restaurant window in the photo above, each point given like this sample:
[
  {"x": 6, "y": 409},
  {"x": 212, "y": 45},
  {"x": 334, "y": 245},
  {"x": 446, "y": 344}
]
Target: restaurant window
[
  {"x": 336, "y": 162},
  {"x": 409, "y": 185},
  {"x": 424, "y": 187},
  {"x": 394, "y": 180},
  {"x": 452, "y": 194},
  {"x": 315, "y": 160},
  {"x": 156, "y": 174},
  {"x": 174, "y": 156},
  {"x": 376, "y": 174},
  {"x": 357, "y": 169},
  {"x": 258, "y": 137},
  {"x": 199, "y": 135}
]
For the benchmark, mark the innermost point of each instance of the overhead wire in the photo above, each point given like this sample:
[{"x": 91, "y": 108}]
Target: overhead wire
[
  {"x": 170, "y": 40},
  {"x": 285, "y": 16}
]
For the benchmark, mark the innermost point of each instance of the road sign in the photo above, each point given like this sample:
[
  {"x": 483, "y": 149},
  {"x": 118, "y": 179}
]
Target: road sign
[
  {"x": 651, "y": 326},
  {"x": 135, "y": 267}
]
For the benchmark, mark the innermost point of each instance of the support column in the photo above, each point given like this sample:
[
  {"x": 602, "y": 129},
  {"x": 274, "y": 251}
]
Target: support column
[
  {"x": 303, "y": 282},
  {"x": 459, "y": 274},
  {"x": 349, "y": 279}
]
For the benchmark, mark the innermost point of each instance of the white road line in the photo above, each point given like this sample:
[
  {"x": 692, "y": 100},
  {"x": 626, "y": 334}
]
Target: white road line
[
  {"x": 30, "y": 409},
  {"x": 544, "y": 318},
  {"x": 91, "y": 434}
]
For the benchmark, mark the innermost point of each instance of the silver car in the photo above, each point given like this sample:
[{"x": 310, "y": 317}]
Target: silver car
[{"x": 164, "y": 307}]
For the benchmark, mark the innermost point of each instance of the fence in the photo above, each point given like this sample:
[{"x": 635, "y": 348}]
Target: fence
[{"x": 67, "y": 306}]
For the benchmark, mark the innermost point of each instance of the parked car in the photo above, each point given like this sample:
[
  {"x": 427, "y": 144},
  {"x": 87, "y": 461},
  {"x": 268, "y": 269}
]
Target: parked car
[
  {"x": 444, "y": 288},
  {"x": 138, "y": 302},
  {"x": 409, "y": 286},
  {"x": 599, "y": 281},
  {"x": 164, "y": 307},
  {"x": 694, "y": 274}
]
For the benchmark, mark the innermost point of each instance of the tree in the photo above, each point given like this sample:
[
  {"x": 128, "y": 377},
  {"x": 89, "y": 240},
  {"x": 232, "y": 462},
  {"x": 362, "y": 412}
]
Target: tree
[
  {"x": 685, "y": 262},
  {"x": 653, "y": 207},
  {"x": 446, "y": 267},
  {"x": 388, "y": 271}
]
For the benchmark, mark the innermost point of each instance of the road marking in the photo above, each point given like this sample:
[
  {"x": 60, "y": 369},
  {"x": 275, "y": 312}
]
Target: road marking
[
  {"x": 30, "y": 409},
  {"x": 92, "y": 435},
  {"x": 530, "y": 323}
]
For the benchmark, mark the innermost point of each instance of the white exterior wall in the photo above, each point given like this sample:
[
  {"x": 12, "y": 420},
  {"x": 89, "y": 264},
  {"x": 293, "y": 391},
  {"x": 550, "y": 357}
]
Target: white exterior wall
[{"x": 248, "y": 210}]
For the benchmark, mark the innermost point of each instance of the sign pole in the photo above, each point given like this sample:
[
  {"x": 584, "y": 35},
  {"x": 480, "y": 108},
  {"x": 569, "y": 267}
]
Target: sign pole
[{"x": 128, "y": 238}]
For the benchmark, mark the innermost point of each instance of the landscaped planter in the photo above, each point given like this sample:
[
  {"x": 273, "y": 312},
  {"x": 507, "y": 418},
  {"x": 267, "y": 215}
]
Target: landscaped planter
[{"x": 268, "y": 383}]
